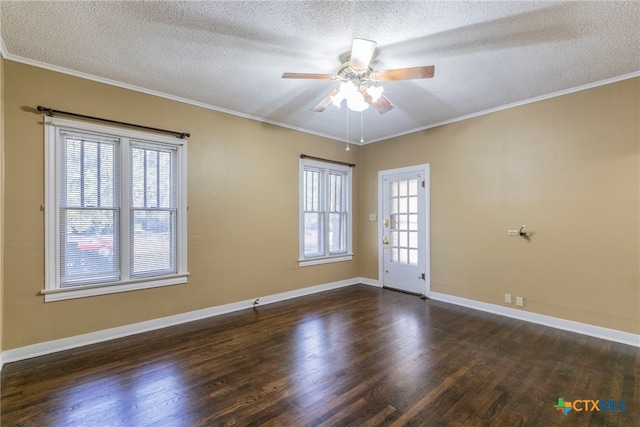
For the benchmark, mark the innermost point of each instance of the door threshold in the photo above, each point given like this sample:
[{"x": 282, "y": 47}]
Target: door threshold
[{"x": 422, "y": 296}]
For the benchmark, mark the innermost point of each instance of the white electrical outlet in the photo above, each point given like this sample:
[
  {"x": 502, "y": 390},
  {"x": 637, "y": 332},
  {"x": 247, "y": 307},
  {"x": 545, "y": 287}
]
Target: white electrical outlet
[
  {"x": 520, "y": 301},
  {"x": 507, "y": 298}
]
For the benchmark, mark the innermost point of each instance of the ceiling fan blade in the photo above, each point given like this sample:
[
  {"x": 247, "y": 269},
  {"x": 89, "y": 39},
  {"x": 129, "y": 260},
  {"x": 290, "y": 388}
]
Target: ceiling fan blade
[
  {"x": 325, "y": 102},
  {"x": 308, "y": 76},
  {"x": 382, "y": 105},
  {"x": 405, "y": 74},
  {"x": 361, "y": 53}
]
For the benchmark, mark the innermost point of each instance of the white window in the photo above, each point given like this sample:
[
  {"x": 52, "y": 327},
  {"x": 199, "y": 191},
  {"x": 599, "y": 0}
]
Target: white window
[
  {"x": 325, "y": 212},
  {"x": 115, "y": 210}
]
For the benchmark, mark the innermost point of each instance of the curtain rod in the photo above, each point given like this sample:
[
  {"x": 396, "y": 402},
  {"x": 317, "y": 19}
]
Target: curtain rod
[
  {"x": 304, "y": 156},
  {"x": 51, "y": 112}
]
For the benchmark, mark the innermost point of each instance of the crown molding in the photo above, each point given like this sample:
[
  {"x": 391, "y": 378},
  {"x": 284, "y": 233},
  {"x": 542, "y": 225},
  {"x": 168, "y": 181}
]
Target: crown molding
[
  {"x": 159, "y": 94},
  {"x": 3, "y": 49},
  {"x": 512, "y": 105},
  {"x": 27, "y": 61}
]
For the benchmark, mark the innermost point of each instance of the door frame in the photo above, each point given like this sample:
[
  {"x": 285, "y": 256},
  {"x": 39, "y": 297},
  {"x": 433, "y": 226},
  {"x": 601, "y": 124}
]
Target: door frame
[{"x": 424, "y": 168}]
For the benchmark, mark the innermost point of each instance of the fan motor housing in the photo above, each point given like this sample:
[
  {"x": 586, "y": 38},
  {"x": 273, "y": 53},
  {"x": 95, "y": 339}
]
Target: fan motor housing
[{"x": 347, "y": 73}]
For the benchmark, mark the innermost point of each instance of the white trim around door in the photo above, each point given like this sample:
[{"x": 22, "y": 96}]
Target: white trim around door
[{"x": 385, "y": 225}]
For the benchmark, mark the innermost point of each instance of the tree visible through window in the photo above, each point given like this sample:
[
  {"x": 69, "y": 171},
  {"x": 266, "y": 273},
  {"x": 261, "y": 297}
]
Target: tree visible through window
[
  {"x": 89, "y": 208},
  {"x": 153, "y": 209}
]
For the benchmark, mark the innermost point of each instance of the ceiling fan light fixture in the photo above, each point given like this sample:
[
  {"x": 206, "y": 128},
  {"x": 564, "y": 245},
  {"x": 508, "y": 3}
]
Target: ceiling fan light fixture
[
  {"x": 375, "y": 92},
  {"x": 337, "y": 99},
  {"x": 356, "y": 76},
  {"x": 349, "y": 91},
  {"x": 357, "y": 102}
]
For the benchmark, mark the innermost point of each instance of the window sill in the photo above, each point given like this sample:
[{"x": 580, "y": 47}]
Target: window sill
[
  {"x": 51, "y": 295},
  {"x": 324, "y": 260}
]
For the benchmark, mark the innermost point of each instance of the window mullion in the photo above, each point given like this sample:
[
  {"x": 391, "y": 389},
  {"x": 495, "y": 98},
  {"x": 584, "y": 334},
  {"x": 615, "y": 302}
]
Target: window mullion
[
  {"x": 157, "y": 180},
  {"x": 126, "y": 213},
  {"x": 98, "y": 176},
  {"x": 325, "y": 195},
  {"x": 144, "y": 177},
  {"x": 82, "y": 177},
  {"x": 179, "y": 202}
]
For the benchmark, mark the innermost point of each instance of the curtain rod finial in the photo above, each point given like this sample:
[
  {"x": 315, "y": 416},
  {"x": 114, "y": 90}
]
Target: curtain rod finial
[{"x": 48, "y": 110}]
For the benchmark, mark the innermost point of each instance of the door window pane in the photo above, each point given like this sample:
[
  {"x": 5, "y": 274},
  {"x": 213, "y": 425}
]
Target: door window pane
[
  {"x": 402, "y": 205},
  {"x": 413, "y": 187},
  {"x": 413, "y": 257},
  {"x": 413, "y": 222},
  {"x": 402, "y": 188},
  {"x": 394, "y": 189},
  {"x": 403, "y": 256},
  {"x": 413, "y": 239},
  {"x": 404, "y": 241},
  {"x": 394, "y": 254},
  {"x": 413, "y": 204},
  {"x": 403, "y": 221},
  {"x": 393, "y": 205},
  {"x": 393, "y": 239}
]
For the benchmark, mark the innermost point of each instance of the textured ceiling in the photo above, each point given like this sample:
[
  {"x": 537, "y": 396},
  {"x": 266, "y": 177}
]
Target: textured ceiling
[{"x": 230, "y": 55}]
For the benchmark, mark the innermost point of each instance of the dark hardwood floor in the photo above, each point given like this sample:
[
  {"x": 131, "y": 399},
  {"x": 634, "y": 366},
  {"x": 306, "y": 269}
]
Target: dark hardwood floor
[{"x": 358, "y": 356}]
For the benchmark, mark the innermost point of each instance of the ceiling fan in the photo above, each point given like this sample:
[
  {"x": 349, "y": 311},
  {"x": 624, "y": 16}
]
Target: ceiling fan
[{"x": 357, "y": 80}]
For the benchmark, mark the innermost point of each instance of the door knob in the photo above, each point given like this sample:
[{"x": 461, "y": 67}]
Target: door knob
[{"x": 385, "y": 241}]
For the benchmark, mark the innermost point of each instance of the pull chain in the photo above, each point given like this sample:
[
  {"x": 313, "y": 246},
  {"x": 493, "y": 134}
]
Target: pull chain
[{"x": 348, "y": 148}]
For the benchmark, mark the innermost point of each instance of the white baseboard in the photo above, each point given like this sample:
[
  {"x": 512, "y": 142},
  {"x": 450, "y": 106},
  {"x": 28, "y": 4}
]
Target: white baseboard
[
  {"x": 370, "y": 282},
  {"x": 48, "y": 347},
  {"x": 541, "y": 319}
]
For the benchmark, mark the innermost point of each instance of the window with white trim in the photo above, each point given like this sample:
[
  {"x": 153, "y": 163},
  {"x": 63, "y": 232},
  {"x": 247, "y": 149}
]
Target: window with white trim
[
  {"x": 115, "y": 210},
  {"x": 325, "y": 213}
]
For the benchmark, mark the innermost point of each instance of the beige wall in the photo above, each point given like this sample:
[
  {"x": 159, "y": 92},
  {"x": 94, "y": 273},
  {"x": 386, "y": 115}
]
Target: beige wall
[
  {"x": 242, "y": 197},
  {"x": 568, "y": 168}
]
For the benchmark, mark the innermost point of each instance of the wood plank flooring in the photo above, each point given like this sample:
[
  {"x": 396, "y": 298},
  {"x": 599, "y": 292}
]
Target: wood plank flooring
[{"x": 358, "y": 356}]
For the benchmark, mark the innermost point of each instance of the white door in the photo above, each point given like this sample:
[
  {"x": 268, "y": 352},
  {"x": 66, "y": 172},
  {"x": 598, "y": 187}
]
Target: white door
[{"x": 404, "y": 226}]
